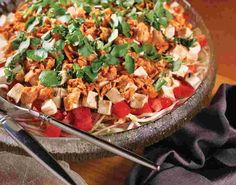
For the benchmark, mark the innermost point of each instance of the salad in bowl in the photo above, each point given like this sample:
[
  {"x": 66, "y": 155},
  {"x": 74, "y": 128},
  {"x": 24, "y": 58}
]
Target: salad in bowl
[{"x": 103, "y": 66}]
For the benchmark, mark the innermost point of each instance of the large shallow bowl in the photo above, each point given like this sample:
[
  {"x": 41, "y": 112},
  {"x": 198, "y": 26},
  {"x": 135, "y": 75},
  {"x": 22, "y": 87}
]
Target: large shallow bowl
[{"x": 76, "y": 149}]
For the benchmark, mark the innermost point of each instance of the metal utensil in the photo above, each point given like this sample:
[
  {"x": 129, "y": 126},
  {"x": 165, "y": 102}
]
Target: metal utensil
[
  {"x": 12, "y": 110},
  {"x": 34, "y": 148}
]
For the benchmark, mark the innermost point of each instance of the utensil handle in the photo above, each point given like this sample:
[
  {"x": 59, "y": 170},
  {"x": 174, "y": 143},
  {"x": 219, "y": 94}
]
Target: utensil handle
[
  {"x": 34, "y": 148},
  {"x": 101, "y": 143}
]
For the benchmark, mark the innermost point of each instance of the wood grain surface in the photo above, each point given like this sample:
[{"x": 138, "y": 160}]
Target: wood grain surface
[{"x": 219, "y": 16}]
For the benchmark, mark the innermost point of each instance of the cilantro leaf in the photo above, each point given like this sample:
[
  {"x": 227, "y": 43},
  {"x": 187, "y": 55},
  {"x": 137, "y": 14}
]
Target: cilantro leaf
[
  {"x": 120, "y": 50},
  {"x": 86, "y": 50},
  {"x": 13, "y": 60},
  {"x": 187, "y": 42},
  {"x": 129, "y": 64},
  {"x": 59, "y": 60},
  {"x": 108, "y": 59},
  {"x": 135, "y": 47},
  {"x": 159, "y": 16},
  {"x": 150, "y": 52},
  {"x": 76, "y": 38},
  {"x": 20, "y": 38},
  {"x": 89, "y": 75},
  {"x": 125, "y": 28},
  {"x": 32, "y": 22},
  {"x": 9, "y": 74},
  {"x": 49, "y": 78},
  {"x": 37, "y": 55},
  {"x": 96, "y": 66},
  {"x": 24, "y": 45},
  {"x": 76, "y": 71},
  {"x": 61, "y": 30},
  {"x": 35, "y": 41},
  {"x": 59, "y": 45}
]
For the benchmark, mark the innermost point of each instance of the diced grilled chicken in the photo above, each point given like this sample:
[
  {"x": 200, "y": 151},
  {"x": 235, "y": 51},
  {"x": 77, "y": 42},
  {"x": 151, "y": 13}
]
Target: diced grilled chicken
[
  {"x": 3, "y": 79},
  {"x": 142, "y": 33},
  {"x": 131, "y": 86},
  {"x": 60, "y": 93},
  {"x": 169, "y": 32},
  {"x": 179, "y": 52},
  {"x": 140, "y": 72},
  {"x": 194, "y": 52},
  {"x": 2, "y": 56},
  {"x": 104, "y": 107},
  {"x": 138, "y": 100},
  {"x": 114, "y": 95},
  {"x": 90, "y": 101},
  {"x": 16, "y": 92},
  {"x": 29, "y": 95},
  {"x": 64, "y": 77},
  {"x": 71, "y": 101},
  {"x": 32, "y": 77},
  {"x": 3, "y": 20},
  {"x": 57, "y": 101},
  {"x": 3, "y": 42},
  {"x": 49, "y": 107},
  {"x": 11, "y": 18},
  {"x": 168, "y": 92}
]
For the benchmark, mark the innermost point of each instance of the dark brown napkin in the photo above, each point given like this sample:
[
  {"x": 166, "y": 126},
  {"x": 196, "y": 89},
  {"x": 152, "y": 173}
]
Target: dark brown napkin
[{"x": 201, "y": 153}]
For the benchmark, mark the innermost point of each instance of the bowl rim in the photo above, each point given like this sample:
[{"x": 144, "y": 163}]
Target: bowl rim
[{"x": 147, "y": 134}]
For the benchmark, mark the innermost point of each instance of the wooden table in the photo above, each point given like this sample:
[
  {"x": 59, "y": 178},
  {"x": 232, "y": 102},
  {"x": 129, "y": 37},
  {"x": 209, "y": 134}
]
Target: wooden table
[{"x": 220, "y": 18}]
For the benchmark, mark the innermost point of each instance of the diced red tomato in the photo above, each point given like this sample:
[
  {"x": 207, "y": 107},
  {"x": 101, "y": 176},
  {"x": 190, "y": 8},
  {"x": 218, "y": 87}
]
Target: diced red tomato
[
  {"x": 192, "y": 68},
  {"x": 52, "y": 131},
  {"x": 59, "y": 115},
  {"x": 120, "y": 109},
  {"x": 202, "y": 40},
  {"x": 155, "y": 104},
  {"x": 183, "y": 91},
  {"x": 165, "y": 102},
  {"x": 69, "y": 118},
  {"x": 83, "y": 118},
  {"x": 146, "y": 109}
]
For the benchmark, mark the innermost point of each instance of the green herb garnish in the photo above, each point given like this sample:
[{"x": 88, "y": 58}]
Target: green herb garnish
[
  {"x": 159, "y": 83},
  {"x": 89, "y": 75},
  {"x": 129, "y": 64},
  {"x": 159, "y": 16},
  {"x": 20, "y": 38},
  {"x": 175, "y": 64},
  {"x": 37, "y": 55},
  {"x": 187, "y": 42},
  {"x": 35, "y": 41},
  {"x": 150, "y": 52},
  {"x": 120, "y": 50},
  {"x": 50, "y": 78},
  {"x": 9, "y": 74}
]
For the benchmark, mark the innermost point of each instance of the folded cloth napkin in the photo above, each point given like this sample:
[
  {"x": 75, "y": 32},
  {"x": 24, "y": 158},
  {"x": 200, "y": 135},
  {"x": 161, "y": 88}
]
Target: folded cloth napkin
[{"x": 201, "y": 153}]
